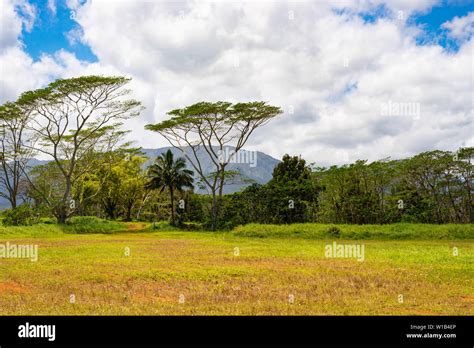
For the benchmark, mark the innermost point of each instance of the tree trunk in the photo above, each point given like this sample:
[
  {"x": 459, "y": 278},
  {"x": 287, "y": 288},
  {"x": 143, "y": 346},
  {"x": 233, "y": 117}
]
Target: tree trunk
[
  {"x": 214, "y": 212},
  {"x": 63, "y": 205},
  {"x": 217, "y": 200},
  {"x": 129, "y": 211},
  {"x": 61, "y": 214},
  {"x": 141, "y": 205},
  {"x": 172, "y": 205}
]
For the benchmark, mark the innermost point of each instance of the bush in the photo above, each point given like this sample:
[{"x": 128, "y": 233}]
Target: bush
[
  {"x": 23, "y": 215},
  {"x": 84, "y": 220},
  {"x": 334, "y": 232},
  {"x": 191, "y": 226},
  {"x": 163, "y": 226},
  {"x": 92, "y": 224},
  {"x": 48, "y": 220}
]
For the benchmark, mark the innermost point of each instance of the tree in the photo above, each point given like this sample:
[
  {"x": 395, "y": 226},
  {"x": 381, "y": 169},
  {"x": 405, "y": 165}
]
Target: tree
[
  {"x": 123, "y": 186},
  {"x": 72, "y": 118},
  {"x": 291, "y": 196},
  {"x": 166, "y": 173},
  {"x": 431, "y": 187},
  {"x": 442, "y": 181},
  {"x": 113, "y": 186},
  {"x": 46, "y": 184},
  {"x": 292, "y": 193},
  {"x": 213, "y": 126},
  {"x": 464, "y": 159},
  {"x": 14, "y": 155}
]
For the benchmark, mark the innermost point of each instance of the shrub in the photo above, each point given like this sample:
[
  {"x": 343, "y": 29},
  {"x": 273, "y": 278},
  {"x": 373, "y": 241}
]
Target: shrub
[
  {"x": 48, "y": 220},
  {"x": 334, "y": 232},
  {"x": 84, "y": 220},
  {"x": 92, "y": 224},
  {"x": 23, "y": 215},
  {"x": 191, "y": 226},
  {"x": 163, "y": 226}
]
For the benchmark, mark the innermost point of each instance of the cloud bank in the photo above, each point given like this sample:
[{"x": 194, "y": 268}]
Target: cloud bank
[{"x": 351, "y": 89}]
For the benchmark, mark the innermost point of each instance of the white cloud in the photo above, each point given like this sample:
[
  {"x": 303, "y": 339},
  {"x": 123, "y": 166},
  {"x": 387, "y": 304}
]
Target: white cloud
[
  {"x": 461, "y": 28},
  {"x": 10, "y": 25},
  {"x": 52, "y": 7},
  {"x": 334, "y": 71},
  {"x": 27, "y": 10}
]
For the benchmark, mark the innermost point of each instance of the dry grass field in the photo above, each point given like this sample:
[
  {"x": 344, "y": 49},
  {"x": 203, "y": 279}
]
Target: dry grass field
[{"x": 204, "y": 273}]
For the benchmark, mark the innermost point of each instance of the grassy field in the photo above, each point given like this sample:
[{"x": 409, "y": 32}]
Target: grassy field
[{"x": 233, "y": 273}]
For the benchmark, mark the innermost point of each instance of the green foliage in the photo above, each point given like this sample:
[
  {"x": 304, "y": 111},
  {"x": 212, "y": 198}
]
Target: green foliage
[
  {"x": 119, "y": 184},
  {"x": 194, "y": 207},
  {"x": 227, "y": 112},
  {"x": 167, "y": 226},
  {"x": 384, "y": 232},
  {"x": 291, "y": 168},
  {"x": 48, "y": 221},
  {"x": 23, "y": 215},
  {"x": 92, "y": 224},
  {"x": 14, "y": 153},
  {"x": 333, "y": 232},
  {"x": 74, "y": 119},
  {"x": 431, "y": 187},
  {"x": 291, "y": 196},
  {"x": 167, "y": 173}
]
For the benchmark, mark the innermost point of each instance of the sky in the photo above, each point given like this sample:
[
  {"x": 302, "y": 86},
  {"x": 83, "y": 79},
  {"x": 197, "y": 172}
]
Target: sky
[{"x": 356, "y": 79}]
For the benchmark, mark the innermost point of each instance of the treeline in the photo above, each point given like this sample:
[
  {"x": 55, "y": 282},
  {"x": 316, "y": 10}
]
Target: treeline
[
  {"x": 77, "y": 124},
  {"x": 431, "y": 187}
]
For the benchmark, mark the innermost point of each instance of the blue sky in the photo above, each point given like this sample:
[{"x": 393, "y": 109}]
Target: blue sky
[
  {"x": 431, "y": 22},
  {"x": 49, "y": 33}
]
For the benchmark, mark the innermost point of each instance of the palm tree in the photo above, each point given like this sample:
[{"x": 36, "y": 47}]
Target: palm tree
[{"x": 166, "y": 173}]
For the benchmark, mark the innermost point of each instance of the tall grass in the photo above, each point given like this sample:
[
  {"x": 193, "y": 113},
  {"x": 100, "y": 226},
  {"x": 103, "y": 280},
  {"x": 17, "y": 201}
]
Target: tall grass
[
  {"x": 398, "y": 231},
  {"x": 92, "y": 224},
  {"x": 76, "y": 225},
  {"x": 34, "y": 231}
]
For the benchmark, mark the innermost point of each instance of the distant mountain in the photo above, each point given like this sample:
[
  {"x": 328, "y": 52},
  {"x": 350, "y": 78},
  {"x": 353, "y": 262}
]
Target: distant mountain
[{"x": 254, "y": 167}]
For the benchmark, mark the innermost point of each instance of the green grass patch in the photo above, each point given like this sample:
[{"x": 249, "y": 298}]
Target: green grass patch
[
  {"x": 401, "y": 231},
  {"x": 92, "y": 224},
  {"x": 35, "y": 231}
]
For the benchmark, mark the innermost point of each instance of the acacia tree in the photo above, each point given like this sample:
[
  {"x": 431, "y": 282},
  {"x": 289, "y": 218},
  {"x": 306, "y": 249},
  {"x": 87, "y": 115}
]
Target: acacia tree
[
  {"x": 14, "y": 155},
  {"x": 212, "y": 127},
  {"x": 72, "y": 118}
]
